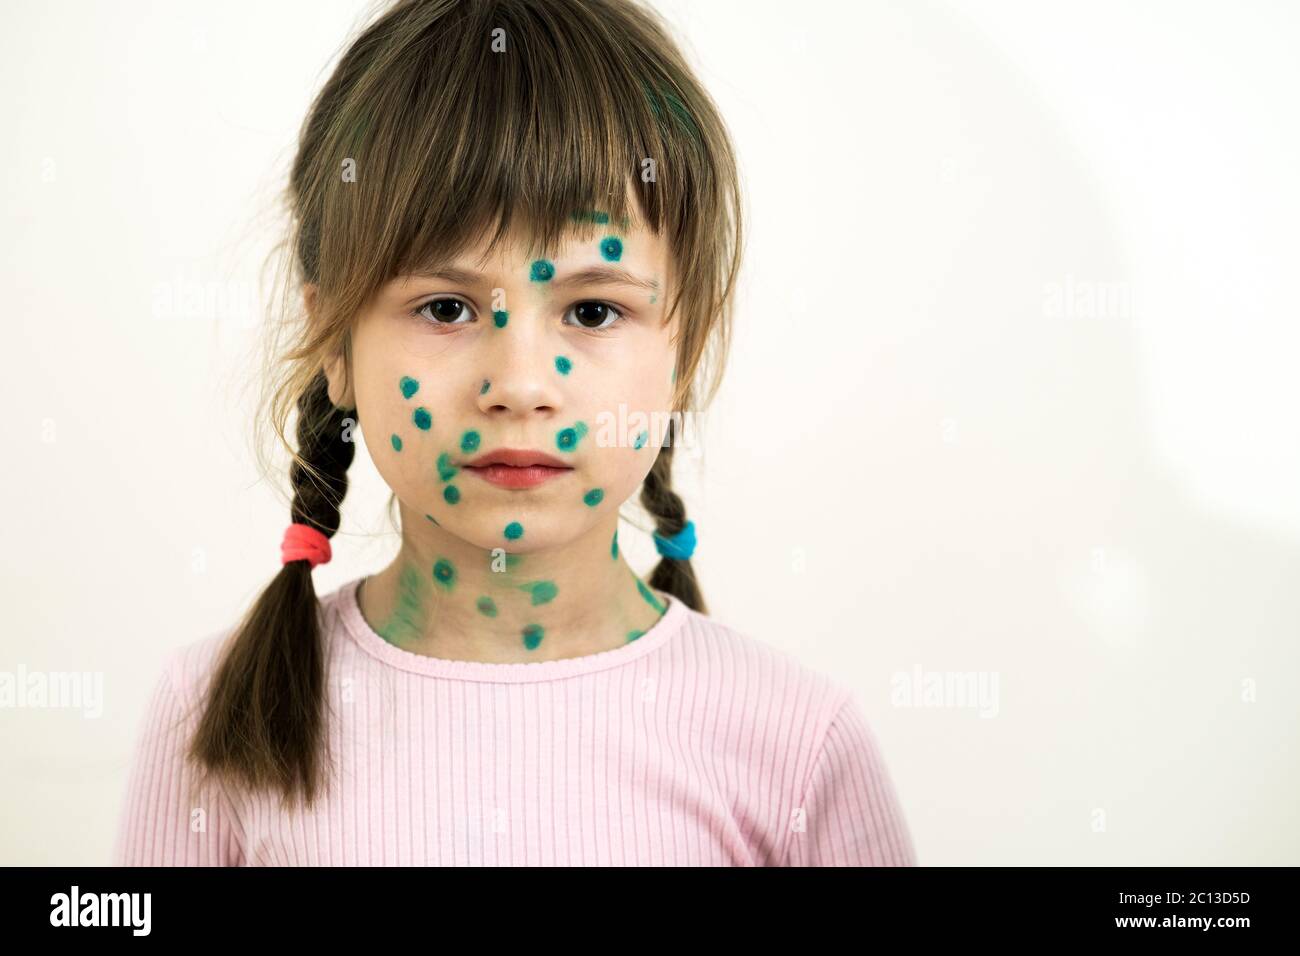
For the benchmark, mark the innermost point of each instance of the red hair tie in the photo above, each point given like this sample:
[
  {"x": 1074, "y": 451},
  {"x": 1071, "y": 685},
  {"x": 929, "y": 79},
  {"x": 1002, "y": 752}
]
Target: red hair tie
[{"x": 302, "y": 541}]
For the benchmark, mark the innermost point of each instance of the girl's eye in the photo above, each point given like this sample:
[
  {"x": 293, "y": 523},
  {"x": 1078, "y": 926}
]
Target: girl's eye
[
  {"x": 595, "y": 316},
  {"x": 445, "y": 311}
]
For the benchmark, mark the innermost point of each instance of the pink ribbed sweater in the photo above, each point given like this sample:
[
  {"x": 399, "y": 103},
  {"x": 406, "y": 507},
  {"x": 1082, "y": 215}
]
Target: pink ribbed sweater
[{"x": 692, "y": 745}]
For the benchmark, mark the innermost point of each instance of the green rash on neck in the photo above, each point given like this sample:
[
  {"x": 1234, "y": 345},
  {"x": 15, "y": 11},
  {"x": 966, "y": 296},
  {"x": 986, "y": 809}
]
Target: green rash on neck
[
  {"x": 593, "y": 497},
  {"x": 650, "y": 597},
  {"x": 532, "y": 635},
  {"x": 611, "y": 249},
  {"x": 409, "y": 386},
  {"x": 500, "y": 318},
  {"x": 397, "y": 443},
  {"x": 451, "y": 494},
  {"x": 486, "y": 606},
  {"x": 633, "y": 635},
  {"x": 541, "y": 271},
  {"x": 566, "y": 439},
  {"x": 469, "y": 441},
  {"x": 444, "y": 573},
  {"x": 423, "y": 420},
  {"x": 641, "y": 439},
  {"x": 613, "y": 545},
  {"x": 514, "y": 530},
  {"x": 542, "y": 591},
  {"x": 446, "y": 470},
  {"x": 510, "y": 561},
  {"x": 407, "y": 618},
  {"x": 563, "y": 365},
  {"x": 486, "y": 386}
]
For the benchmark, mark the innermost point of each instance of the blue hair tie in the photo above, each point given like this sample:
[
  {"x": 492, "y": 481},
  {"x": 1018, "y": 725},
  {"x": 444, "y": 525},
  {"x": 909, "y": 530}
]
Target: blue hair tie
[{"x": 680, "y": 546}]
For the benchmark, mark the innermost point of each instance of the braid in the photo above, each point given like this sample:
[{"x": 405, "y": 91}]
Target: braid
[
  {"x": 319, "y": 486},
  {"x": 263, "y": 722},
  {"x": 676, "y": 577}
]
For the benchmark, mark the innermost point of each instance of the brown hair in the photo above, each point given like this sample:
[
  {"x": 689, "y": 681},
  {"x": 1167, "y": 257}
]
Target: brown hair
[{"x": 450, "y": 115}]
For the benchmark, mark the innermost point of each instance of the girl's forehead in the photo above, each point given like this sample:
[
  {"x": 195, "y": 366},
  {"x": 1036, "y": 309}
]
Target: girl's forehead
[
  {"x": 587, "y": 253},
  {"x": 586, "y": 245},
  {"x": 581, "y": 244}
]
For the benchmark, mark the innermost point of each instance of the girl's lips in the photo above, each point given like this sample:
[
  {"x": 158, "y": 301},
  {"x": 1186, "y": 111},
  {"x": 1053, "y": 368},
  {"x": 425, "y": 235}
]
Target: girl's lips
[{"x": 511, "y": 476}]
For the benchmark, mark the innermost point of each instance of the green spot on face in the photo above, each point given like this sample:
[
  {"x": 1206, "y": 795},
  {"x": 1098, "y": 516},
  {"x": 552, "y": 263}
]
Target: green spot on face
[
  {"x": 514, "y": 530},
  {"x": 563, "y": 365},
  {"x": 435, "y": 520},
  {"x": 409, "y": 386},
  {"x": 673, "y": 378},
  {"x": 541, "y": 591},
  {"x": 487, "y": 607},
  {"x": 423, "y": 420},
  {"x": 597, "y": 217},
  {"x": 446, "y": 470},
  {"x": 500, "y": 317},
  {"x": 469, "y": 441},
  {"x": 486, "y": 386},
  {"x": 613, "y": 545},
  {"x": 593, "y": 497},
  {"x": 397, "y": 443},
  {"x": 641, "y": 440},
  {"x": 533, "y": 636},
  {"x": 566, "y": 439},
  {"x": 444, "y": 573},
  {"x": 633, "y": 635},
  {"x": 451, "y": 494},
  {"x": 651, "y": 598},
  {"x": 541, "y": 271},
  {"x": 611, "y": 248}
]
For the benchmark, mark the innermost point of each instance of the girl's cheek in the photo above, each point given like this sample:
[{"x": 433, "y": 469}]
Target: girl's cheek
[
  {"x": 419, "y": 446},
  {"x": 410, "y": 415}
]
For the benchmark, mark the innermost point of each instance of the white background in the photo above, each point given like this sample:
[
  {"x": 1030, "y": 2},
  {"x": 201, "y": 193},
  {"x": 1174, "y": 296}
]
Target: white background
[{"x": 918, "y": 461}]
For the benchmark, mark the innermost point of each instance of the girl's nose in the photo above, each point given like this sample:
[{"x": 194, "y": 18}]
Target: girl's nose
[{"x": 518, "y": 367}]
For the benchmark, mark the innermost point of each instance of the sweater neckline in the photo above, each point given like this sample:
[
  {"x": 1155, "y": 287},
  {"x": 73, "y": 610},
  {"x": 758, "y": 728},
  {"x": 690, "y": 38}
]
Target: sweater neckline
[{"x": 359, "y": 629}]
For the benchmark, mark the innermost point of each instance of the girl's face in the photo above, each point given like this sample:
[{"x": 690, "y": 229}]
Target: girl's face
[{"x": 563, "y": 361}]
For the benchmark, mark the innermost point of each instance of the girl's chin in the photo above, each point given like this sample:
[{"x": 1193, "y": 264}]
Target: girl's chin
[{"x": 497, "y": 532}]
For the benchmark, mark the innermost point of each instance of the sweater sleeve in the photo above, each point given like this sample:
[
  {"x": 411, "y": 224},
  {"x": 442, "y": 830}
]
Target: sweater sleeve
[
  {"x": 169, "y": 818},
  {"x": 851, "y": 815}
]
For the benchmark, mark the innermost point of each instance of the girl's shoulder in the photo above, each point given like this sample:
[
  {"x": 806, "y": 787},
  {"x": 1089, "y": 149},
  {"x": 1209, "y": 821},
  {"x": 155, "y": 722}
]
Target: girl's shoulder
[
  {"x": 187, "y": 669},
  {"x": 754, "y": 666},
  {"x": 190, "y": 666}
]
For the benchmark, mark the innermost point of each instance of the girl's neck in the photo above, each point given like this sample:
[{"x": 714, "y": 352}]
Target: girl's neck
[{"x": 447, "y": 598}]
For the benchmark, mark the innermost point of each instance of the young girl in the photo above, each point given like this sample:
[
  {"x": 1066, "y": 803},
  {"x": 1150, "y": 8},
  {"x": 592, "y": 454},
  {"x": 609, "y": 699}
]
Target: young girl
[{"x": 516, "y": 226}]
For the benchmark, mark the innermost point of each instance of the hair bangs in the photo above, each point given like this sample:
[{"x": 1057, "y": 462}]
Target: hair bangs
[{"x": 479, "y": 125}]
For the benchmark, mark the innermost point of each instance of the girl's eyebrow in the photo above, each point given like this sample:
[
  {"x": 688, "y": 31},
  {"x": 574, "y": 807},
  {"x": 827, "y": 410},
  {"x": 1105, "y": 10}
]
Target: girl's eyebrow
[
  {"x": 591, "y": 276},
  {"x": 449, "y": 274},
  {"x": 605, "y": 275}
]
